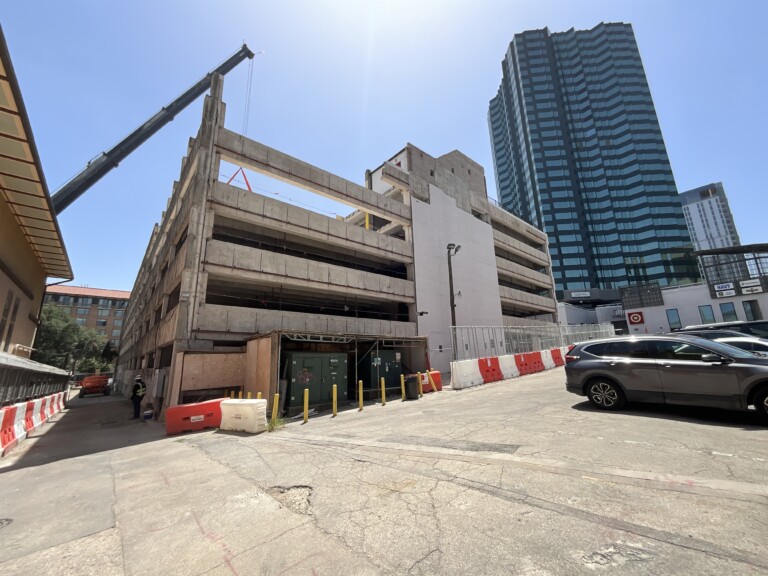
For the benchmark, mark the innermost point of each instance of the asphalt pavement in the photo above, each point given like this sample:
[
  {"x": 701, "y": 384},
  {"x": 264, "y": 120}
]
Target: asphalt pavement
[{"x": 516, "y": 477}]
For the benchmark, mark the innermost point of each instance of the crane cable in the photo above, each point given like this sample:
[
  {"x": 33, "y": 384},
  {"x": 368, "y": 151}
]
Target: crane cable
[{"x": 248, "y": 97}]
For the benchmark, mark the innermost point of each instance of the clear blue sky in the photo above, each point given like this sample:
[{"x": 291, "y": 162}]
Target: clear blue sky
[{"x": 345, "y": 84}]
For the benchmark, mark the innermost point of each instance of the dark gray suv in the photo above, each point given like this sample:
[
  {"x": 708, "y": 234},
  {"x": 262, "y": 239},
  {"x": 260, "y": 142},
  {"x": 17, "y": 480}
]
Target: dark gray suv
[{"x": 667, "y": 369}]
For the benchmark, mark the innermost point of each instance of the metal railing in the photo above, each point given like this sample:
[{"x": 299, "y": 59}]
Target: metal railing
[
  {"x": 19, "y": 385},
  {"x": 472, "y": 342}
]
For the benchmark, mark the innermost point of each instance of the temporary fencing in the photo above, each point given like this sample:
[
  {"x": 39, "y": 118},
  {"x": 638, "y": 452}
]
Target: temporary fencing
[{"x": 473, "y": 342}]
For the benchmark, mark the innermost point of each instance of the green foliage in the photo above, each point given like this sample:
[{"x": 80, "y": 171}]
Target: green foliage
[
  {"x": 63, "y": 343},
  {"x": 276, "y": 425}
]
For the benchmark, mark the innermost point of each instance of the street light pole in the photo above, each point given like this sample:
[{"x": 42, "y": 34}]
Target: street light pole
[{"x": 453, "y": 249}]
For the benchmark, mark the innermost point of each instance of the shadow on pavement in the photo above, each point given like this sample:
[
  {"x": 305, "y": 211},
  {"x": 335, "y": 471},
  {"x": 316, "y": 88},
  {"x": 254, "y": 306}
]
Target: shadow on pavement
[
  {"x": 694, "y": 414},
  {"x": 87, "y": 426}
]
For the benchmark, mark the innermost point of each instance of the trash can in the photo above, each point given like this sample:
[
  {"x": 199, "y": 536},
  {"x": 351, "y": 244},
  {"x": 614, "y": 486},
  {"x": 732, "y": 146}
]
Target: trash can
[{"x": 412, "y": 387}]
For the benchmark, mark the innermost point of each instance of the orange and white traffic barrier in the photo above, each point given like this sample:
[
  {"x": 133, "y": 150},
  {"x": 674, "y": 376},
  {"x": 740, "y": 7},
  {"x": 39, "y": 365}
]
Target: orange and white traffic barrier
[
  {"x": 18, "y": 420},
  {"x": 467, "y": 373}
]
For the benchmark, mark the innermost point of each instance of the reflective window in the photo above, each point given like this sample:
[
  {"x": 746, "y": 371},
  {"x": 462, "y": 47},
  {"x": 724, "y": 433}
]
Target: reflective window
[
  {"x": 752, "y": 310},
  {"x": 673, "y": 317},
  {"x": 707, "y": 315},
  {"x": 674, "y": 350},
  {"x": 728, "y": 310}
]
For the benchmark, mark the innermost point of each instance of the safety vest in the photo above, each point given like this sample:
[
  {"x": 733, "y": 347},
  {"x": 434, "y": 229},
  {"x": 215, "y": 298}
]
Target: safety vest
[{"x": 142, "y": 390}]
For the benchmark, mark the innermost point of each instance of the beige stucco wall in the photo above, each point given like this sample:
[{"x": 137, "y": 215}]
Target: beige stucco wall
[{"x": 17, "y": 255}]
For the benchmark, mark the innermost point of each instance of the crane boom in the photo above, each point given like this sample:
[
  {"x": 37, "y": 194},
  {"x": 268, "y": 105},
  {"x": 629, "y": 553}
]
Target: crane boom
[{"x": 103, "y": 163}]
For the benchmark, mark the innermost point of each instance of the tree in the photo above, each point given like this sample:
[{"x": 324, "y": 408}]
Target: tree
[
  {"x": 63, "y": 343},
  {"x": 56, "y": 337}
]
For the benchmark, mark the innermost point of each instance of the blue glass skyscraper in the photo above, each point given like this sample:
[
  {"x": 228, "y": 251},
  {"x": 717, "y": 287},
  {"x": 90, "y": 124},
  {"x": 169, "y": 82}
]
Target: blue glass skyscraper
[{"x": 578, "y": 153}]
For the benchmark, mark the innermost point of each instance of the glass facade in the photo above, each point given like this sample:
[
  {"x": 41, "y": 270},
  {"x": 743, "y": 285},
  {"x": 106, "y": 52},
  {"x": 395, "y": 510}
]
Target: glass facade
[{"x": 578, "y": 153}]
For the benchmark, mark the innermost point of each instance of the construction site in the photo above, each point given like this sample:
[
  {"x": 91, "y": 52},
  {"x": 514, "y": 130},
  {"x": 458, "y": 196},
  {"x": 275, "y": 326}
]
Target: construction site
[{"x": 240, "y": 292}]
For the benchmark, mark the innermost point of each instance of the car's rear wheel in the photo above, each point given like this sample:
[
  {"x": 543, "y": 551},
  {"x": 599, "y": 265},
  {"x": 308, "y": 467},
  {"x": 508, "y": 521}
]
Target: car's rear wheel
[
  {"x": 605, "y": 395},
  {"x": 81, "y": 394},
  {"x": 761, "y": 403}
]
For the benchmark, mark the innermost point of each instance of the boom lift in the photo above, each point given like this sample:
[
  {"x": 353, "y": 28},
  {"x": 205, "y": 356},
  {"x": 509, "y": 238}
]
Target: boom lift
[{"x": 106, "y": 161}]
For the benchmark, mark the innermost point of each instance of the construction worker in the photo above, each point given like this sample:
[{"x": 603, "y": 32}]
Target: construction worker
[{"x": 137, "y": 395}]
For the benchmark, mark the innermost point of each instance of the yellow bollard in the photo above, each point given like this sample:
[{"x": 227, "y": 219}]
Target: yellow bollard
[
  {"x": 232, "y": 394},
  {"x": 402, "y": 386},
  {"x": 421, "y": 387},
  {"x": 360, "y": 395},
  {"x": 431, "y": 382},
  {"x": 383, "y": 392},
  {"x": 258, "y": 395},
  {"x": 306, "y": 405},
  {"x": 249, "y": 395},
  {"x": 275, "y": 404},
  {"x": 334, "y": 400},
  {"x": 240, "y": 395}
]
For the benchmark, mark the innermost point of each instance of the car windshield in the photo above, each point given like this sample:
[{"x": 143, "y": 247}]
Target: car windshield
[
  {"x": 726, "y": 350},
  {"x": 760, "y": 330}
]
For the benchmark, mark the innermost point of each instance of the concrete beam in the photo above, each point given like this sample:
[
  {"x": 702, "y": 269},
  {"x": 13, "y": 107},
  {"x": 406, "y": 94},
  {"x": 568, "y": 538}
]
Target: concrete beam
[
  {"x": 515, "y": 271},
  {"x": 244, "y": 206},
  {"x": 526, "y": 301},
  {"x": 520, "y": 249},
  {"x": 215, "y": 319},
  {"x": 250, "y": 154}
]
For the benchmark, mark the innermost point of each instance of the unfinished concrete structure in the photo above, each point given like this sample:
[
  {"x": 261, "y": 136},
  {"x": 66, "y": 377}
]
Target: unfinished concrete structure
[{"x": 232, "y": 280}]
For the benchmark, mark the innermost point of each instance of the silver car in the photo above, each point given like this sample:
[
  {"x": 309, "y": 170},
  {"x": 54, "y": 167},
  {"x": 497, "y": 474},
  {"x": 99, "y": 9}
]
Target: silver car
[
  {"x": 758, "y": 346},
  {"x": 667, "y": 369}
]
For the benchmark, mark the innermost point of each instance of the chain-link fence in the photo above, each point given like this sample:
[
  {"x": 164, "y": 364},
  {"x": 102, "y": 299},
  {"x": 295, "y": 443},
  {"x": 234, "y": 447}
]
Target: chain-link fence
[{"x": 483, "y": 341}]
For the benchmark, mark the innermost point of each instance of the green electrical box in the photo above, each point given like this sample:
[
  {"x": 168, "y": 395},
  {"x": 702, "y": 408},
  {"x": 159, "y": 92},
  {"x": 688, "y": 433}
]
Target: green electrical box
[
  {"x": 318, "y": 372},
  {"x": 381, "y": 364}
]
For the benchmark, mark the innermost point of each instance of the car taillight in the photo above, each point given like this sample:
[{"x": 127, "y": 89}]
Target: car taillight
[{"x": 571, "y": 357}]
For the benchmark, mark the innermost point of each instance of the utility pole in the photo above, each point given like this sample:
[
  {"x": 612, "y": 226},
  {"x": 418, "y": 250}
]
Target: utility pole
[{"x": 453, "y": 249}]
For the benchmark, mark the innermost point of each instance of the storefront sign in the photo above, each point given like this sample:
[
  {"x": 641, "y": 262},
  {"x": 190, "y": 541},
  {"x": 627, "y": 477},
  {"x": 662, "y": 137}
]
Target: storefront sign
[
  {"x": 752, "y": 290},
  {"x": 725, "y": 293},
  {"x": 754, "y": 282},
  {"x": 635, "y": 318},
  {"x": 726, "y": 286},
  {"x": 580, "y": 294}
]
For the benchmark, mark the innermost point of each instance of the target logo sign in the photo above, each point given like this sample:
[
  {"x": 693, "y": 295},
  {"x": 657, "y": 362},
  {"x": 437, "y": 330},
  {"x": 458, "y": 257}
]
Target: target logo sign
[{"x": 636, "y": 318}]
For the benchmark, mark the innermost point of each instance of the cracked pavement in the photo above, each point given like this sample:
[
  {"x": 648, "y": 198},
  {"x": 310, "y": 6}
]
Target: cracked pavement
[{"x": 516, "y": 477}]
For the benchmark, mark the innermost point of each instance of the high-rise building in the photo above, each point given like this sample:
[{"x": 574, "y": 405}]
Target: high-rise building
[
  {"x": 710, "y": 222},
  {"x": 578, "y": 153}
]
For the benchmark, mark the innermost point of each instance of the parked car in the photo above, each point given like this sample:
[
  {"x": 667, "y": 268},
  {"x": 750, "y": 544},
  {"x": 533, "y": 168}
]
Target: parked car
[
  {"x": 667, "y": 369},
  {"x": 757, "y": 346},
  {"x": 709, "y": 334},
  {"x": 757, "y": 328},
  {"x": 95, "y": 385}
]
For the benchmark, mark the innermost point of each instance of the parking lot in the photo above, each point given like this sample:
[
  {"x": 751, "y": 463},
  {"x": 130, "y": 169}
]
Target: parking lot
[{"x": 516, "y": 477}]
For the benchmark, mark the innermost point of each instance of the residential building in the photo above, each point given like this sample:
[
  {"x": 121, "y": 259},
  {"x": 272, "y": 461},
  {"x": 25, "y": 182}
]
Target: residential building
[
  {"x": 31, "y": 246},
  {"x": 578, "y": 153},
  {"x": 95, "y": 308},
  {"x": 710, "y": 222},
  {"x": 235, "y": 285}
]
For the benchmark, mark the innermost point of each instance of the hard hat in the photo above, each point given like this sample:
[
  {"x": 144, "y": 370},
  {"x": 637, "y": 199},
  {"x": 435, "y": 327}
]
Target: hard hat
[{"x": 137, "y": 378}]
